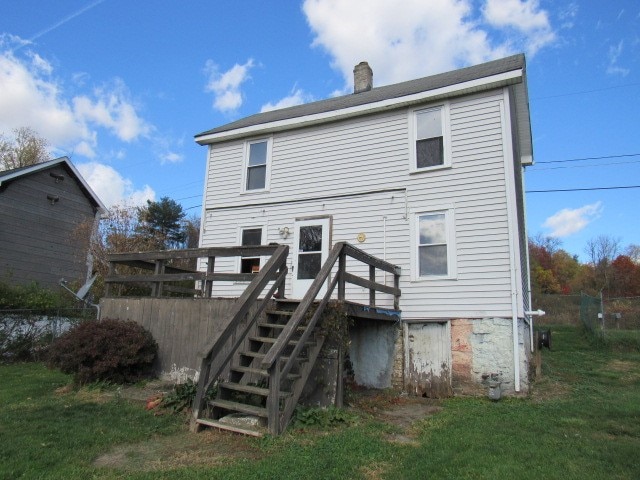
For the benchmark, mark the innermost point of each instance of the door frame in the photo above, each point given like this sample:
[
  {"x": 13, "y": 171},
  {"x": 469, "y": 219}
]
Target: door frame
[{"x": 300, "y": 287}]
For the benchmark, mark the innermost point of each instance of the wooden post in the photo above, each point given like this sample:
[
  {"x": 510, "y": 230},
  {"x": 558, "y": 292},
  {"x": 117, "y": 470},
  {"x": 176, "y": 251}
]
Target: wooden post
[
  {"x": 208, "y": 284},
  {"x": 156, "y": 287},
  {"x": 372, "y": 291},
  {"x": 340, "y": 381},
  {"x": 342, "y": 267},
  {"x": 396, "y": 285},
  {"x": 273, "y": 400}
]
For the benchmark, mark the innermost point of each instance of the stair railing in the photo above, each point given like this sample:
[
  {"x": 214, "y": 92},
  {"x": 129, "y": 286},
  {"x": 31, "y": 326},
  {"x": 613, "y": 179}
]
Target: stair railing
[
  {"x": 272, "y": 362},
  {"x": 214, "y": 357}
]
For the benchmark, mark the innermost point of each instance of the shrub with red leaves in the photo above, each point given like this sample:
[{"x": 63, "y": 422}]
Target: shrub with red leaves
[{"x": 114, "y": 351}]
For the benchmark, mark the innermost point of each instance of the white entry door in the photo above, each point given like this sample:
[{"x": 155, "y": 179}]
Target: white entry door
[{"x": 310, "y": 251}]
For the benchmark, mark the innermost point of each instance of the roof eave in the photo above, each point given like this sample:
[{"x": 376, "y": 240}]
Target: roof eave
[
  {"x": 472, "y": 86},
  {"x": 56, "y": 161}
]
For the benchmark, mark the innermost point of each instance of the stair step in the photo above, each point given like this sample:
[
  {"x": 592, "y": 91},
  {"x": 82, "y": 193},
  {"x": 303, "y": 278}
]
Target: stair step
[
  {"x": 274, "y": 339},
  {"x": 262, "y": 355},
  {"x": 232, "y": 428},
  {"x": 261, "y": 372},
  {"x": 239, "y": 407},
  {"x": 286, "y": 313},
  {"x": 249, "y": 389},
  {"x": 279, "y": 326}
]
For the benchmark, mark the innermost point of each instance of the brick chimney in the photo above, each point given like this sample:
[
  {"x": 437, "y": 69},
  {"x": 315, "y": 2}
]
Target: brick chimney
[{"x": 362, "y": 78}]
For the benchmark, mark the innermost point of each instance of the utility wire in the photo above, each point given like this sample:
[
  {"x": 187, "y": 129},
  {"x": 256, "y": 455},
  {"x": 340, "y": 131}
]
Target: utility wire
[
  {"x": 585, "y": 166},
  {"x": 586, "y": 91},
  {"x": 582, "y": 189},
  {"x": 584, "y": 159}
]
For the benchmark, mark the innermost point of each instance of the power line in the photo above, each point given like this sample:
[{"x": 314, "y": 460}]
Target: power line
[
  {"x": 586, "y": 91},
  {"x": 582, "y": 189},
  {"x": 586, "y": 166},
  {"x": 583, "y": 159}
]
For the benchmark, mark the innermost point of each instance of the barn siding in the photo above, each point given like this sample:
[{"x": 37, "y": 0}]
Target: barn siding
[{"x": 37, "y": 240}]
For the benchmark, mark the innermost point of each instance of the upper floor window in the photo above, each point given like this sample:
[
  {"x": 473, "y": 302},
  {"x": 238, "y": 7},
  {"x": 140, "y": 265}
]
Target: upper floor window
[
  {"x": 430, "y": 141},
  {"x": 258, "y": 154}
]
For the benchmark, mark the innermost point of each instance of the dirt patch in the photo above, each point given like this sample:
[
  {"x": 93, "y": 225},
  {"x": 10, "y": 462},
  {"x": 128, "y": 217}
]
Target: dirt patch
[
  {"x": 399, "y": 411},
  {"x": 207, "y": 448},
  {"x": 213, "y": 447}
]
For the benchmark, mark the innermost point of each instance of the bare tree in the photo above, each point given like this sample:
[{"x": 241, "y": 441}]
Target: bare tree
[
  {"x": 602, "y": 250},
  {"x": 633, "y": 252},
  {"x": 23, "y": 149}
]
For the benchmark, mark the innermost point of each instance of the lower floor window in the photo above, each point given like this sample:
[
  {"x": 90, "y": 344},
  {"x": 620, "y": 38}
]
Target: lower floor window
[
  {"x": 250, "y": 237},
  {"x": 432, "y": 240}
]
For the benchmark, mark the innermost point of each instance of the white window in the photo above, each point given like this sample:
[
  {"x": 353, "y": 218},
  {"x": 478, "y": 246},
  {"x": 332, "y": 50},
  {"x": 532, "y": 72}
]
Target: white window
[
  {"x": 430, "y": 144},
  {"x": 257, "y": 158},
  {"x": 434, "y": 245},
  {"x": 249, "y": 237}
]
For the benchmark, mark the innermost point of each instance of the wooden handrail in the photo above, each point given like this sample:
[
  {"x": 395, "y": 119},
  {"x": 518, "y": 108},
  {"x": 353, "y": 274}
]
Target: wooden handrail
[
  {"x": 216, "y": 355},
  {"x": 271, "y": 361},
  {"x": 340, "y": 248}
]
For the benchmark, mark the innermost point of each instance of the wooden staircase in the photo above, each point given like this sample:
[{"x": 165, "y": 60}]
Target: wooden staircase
[
  {"x": 261, "y": 362},
  {"x": 246, "y": 389}
]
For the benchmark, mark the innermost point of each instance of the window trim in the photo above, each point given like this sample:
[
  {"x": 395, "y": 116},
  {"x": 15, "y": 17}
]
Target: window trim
[
  {"x": 245, "y": 165},
  {"x": 446, "y": 137},
  {"x": 449, "y": 223},
  {"x": 263, "y": 239}
]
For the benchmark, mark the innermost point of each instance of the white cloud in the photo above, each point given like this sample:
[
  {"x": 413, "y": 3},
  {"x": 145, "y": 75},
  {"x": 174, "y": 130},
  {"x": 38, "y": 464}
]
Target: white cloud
[
  {"x": 614, "y": 55},
  {"x": 568, "y": 15},
  {"x": 569, "y": 221},
  {"x": 171, "y": 157},
  {"x": 111, "y": 108},
  {"x": 297, "y": 97},
  {"x": 31, "y": 96},
  {"x": 524, "y": 16},
  {"x": 421, "y": 38},
  {"x": 226, "y": 85},
  {"x": 111, "y": 187}
]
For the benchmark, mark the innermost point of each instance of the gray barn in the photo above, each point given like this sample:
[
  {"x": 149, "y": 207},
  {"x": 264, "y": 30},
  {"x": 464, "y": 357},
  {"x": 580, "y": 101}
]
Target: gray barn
[{"x": 41, "y": 207}]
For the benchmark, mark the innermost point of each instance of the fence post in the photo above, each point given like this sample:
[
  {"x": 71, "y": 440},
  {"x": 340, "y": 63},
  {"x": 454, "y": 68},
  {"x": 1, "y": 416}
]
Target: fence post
[{"x": 602, "y": 310}]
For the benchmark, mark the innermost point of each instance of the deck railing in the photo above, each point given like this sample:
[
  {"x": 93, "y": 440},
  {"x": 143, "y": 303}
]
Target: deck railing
[
  {"x": 161, "y": 276},
  {"x": 277, "y": 364}
]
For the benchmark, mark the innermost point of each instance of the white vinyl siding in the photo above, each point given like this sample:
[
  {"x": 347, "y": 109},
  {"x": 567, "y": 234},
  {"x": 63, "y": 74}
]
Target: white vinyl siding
[{"x": 314, "y": 168}]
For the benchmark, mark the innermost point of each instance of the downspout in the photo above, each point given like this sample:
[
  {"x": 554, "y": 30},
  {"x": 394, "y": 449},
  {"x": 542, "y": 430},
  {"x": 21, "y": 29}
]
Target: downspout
[{"x": 512, "y": 220}]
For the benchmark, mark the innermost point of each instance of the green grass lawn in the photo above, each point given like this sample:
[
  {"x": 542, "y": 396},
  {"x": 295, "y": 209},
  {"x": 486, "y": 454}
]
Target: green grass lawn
[{"x": 581, "y": 421}]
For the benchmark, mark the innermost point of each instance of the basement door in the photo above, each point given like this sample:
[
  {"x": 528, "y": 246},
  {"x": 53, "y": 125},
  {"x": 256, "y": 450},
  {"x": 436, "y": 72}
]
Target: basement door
[{"x": 310, "y": 251}]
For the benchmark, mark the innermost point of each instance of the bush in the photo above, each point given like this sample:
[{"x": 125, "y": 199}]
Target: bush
[
  {"x": 109, "y": 350},
  {"x": 32, "y": 297}
]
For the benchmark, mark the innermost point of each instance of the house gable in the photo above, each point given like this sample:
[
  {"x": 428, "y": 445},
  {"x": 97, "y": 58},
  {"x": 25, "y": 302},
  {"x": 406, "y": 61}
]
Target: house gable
[{"x": 41, "y": 207}]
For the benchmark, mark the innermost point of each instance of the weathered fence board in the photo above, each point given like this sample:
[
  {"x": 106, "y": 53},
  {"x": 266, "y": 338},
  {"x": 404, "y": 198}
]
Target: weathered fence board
[{"x": 181, "y": 326}]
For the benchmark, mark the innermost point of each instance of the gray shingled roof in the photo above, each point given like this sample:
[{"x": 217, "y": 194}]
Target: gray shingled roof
[
  {"x": 14, "y": 173},
  {"x": 387, "y": 92}
]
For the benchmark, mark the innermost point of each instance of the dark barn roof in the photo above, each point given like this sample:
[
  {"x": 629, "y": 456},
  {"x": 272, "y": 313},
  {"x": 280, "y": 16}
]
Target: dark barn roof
[{"x": 8, "y": 176}]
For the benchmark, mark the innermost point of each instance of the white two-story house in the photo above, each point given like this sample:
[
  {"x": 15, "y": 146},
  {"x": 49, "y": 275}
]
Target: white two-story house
[{"x": 425, "y": 174}]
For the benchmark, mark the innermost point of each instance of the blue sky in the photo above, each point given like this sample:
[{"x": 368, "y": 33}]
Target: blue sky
[{"x": 122, "y": 87}]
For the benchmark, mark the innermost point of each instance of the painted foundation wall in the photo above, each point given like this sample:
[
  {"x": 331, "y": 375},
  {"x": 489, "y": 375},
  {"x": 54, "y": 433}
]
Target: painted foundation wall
[{"x": 482, "y": 347}]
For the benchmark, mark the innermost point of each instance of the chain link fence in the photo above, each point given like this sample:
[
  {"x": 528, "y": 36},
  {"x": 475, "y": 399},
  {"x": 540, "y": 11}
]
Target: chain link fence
[
  {"x": 26, "y": 334},
  {"x": 599, "y": 315}
]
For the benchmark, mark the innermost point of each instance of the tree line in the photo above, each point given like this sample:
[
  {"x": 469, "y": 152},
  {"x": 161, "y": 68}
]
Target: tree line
[{"x": 610, "y": 268}]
